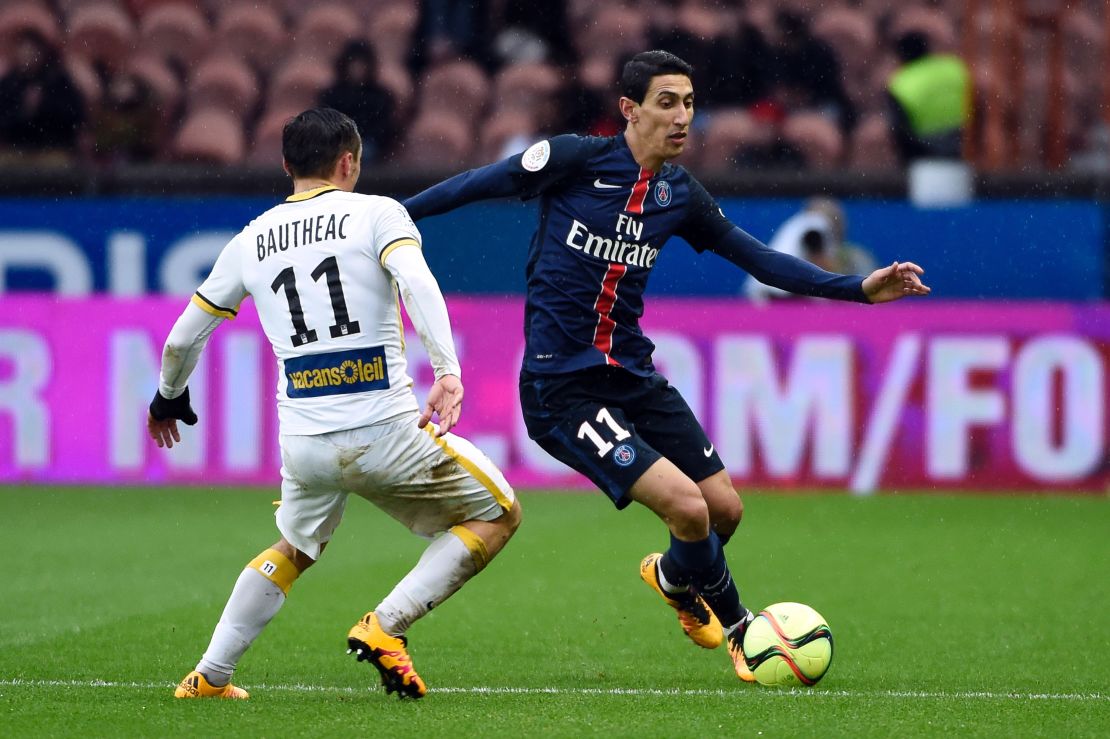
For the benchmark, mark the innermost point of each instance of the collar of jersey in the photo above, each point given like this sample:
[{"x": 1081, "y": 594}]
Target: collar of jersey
[{"x": 309, "y": 194}]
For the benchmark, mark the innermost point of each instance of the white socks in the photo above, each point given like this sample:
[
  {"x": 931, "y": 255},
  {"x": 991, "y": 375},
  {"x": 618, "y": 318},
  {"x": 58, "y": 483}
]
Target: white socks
[
  {"x": 448, "y": 562},
  {"x": 254, "y": 600}
]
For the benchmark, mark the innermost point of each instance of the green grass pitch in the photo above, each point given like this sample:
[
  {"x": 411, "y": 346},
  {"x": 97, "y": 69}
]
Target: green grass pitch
[{"x": 953, "y": 616}]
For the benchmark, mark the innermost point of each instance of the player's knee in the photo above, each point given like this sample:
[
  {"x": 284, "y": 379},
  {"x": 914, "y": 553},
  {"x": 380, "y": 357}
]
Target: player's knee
[
  {"x": 688, "y": 515},
  {"x": 727, "y": 516},
  {"x": 511, "y": 518}
]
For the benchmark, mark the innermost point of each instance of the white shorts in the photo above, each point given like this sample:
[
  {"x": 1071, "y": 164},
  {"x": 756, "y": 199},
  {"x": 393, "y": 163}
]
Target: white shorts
[{"x": 427, "y": 484}]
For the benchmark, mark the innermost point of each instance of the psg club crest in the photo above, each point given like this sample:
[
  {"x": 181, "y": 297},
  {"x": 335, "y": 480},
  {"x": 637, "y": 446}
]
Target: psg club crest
[
  {"x": 624, "y": 455},
  {"x": 663, "y": 193}
]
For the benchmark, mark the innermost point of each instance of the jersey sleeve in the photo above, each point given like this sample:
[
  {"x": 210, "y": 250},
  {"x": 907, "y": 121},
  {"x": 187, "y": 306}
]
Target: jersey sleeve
[
  {"x": 525, "y": 175},
  {"x": 392, "y": 228},
  {"x": 223, "y": 290},
  {"x": 705, "y": 224}
]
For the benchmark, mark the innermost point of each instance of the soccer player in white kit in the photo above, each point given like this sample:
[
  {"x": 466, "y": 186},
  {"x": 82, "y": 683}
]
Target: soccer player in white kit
[{"x": 325, "y": 269}]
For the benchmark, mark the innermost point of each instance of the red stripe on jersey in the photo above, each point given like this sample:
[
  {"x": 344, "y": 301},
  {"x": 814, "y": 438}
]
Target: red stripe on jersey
[
  {"x": 603, "y": 334},
  {"x": 635, "y": 202}
]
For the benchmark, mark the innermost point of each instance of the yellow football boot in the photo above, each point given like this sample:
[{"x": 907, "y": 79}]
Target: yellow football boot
[
  {"x": 696, "y": 618},
  {"x": 195, "y": 685},
  {"x": 736, "y": 651},
  {"x": 369, "y": 643}
]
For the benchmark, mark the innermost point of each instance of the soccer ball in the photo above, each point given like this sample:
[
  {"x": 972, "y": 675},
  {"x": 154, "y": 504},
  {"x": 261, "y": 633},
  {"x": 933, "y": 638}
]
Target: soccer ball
[{"x": 788, "y": 644}]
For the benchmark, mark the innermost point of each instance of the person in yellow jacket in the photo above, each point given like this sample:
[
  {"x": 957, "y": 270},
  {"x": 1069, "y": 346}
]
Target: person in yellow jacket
[{"x": 930, "y": 99}]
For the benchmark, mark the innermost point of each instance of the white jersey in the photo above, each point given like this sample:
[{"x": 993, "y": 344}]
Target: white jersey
[{"x": 315, "y": 266}]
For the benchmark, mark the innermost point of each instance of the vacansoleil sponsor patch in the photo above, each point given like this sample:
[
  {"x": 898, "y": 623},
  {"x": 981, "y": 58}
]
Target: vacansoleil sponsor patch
[{"x": 337, "y": 373}]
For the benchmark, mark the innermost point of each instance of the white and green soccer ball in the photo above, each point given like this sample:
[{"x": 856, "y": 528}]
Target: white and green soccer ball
[{"x": 788, "y": 645}]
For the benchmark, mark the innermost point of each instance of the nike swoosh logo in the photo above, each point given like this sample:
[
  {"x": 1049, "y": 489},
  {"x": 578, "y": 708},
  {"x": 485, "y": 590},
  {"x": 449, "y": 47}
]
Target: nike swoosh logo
[
  {"x": 604, "y": 185},
  {"x": 708, "y": 452}
]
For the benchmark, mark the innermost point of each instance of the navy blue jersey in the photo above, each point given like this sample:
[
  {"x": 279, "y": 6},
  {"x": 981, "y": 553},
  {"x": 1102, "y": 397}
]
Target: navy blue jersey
[{"x": 603, "y": 220}]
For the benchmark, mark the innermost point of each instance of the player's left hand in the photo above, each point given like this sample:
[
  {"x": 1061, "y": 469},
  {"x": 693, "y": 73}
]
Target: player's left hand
[
  {"x": 899, "y": 280},
  {"x": 444, "y": 400}
]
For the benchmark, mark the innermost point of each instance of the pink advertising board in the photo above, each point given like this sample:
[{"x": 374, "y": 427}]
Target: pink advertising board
[{"x": 923, "y": 395}]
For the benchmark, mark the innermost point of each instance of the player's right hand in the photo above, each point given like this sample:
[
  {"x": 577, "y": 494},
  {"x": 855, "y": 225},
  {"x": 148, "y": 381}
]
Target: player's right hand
[
  {"x": 445, "y": 401},
  {"x": 161, "y": 421}
]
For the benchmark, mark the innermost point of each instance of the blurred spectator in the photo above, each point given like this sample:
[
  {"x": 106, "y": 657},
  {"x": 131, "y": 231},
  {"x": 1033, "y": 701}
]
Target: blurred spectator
[
  {"x": 127, "y": 125},
  {"x": 447, "y": 30},
  {"x": 41, "y": 109},
  {"x": 806, "y": 73},
  {"x": 930, "y": 101},
  {"x": 816, "y": 234},
  {"x": 532, "y": 31},
  {"x": 357, "y": 92},
  {"x": 742, "y": 69}
]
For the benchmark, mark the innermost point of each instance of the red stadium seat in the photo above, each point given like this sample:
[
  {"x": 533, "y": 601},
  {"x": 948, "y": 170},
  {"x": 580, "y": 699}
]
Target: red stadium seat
[
  {"x": 872, "y": 145},
  {"x": 209, "y": 136},
  {"x": 396, "y": 78},
  {"x": 503, "y": 128},
  {"x": 817, "y": 138},
  {"x": 84, "y": 76},
  {"x": 179, "y": 32},
  {"x": 526, "y": 86},
  {"x": 225, "y": 83},
  {"x": 729, "y": 132},
  {"x": 462, "y": 84},
  {"x": 391, "y": 31},
  {"x": 298, "y": 84},
  {"x": 255, "y": 33},
  {"x": 324, "y": 30},
  {"x": 437, "y": 143},
  {"x": 163, "y": 82},
  {"x": 101, "y": 32},
  {"x": 266, "y": 142},
  {"x": 934, "y": 24},
  {"x": 23, "y": 16}
]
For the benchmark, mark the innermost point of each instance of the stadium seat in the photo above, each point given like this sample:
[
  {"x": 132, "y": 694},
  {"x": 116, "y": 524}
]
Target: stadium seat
[
  {"x": 508, "y": 131},
  {"x": 177, "y": 32},
  {"x": 324, "y": 30},
  {"x": 850, "y": 33},
  {"x": 816, "y": 137},
  {"x": 266, "y": 143},
  {"x": 525, "y": 87},
  {"x": 253, "y": 32},
  {"x": 872, "y": 146},
  {"x": 163, "y": 82},
  {"x": 396, "y": 78},
  {"x": 391, "y": 31},
  {"x": 729, "y": 131},
  {"x": 209, "y": 136},
  {"x": 84, "y": 76},
  {"x": 20, "y": 16},
  {"x": 933, "y": 23},
  {"x": 436, "y": 143},
  {"x": 101, "y": 32},
  {"x": 462, "y": 85},
  {"x": 614, "y": 31},
  {"x": 223, "y": 82},
  {"x": 297, "y": 84}
]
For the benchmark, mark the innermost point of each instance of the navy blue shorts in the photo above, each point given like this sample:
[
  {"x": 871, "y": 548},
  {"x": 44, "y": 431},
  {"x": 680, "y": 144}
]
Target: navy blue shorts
[{"x": 612, "y": 425}]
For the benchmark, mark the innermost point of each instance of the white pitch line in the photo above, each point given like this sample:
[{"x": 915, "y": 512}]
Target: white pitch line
[{"x": 740, "y": 691}]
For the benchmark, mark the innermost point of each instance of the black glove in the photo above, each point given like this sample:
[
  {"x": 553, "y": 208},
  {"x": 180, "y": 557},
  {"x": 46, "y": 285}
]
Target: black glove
[{"x": 178, "y": 408}]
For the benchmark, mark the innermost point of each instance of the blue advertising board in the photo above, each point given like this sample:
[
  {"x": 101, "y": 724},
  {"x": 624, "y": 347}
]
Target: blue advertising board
[{"x": 1052, "y": 250}]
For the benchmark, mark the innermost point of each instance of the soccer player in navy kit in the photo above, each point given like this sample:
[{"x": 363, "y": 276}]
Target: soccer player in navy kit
[{"x": 589, "y": 392}]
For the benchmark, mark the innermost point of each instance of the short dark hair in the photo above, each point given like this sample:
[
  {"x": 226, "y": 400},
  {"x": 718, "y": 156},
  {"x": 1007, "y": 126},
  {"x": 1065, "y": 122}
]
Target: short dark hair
[
  {"x": 312, "y": 142},
  {"x": 911, "y": 45},
  {"x": 637, "y": 73}
]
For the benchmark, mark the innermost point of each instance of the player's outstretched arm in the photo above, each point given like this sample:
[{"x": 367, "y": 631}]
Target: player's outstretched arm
[
  {"x": 445, "y": 401},
  {"x": 893, "y": 282},
  {"x": 183, "y": 348}
]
